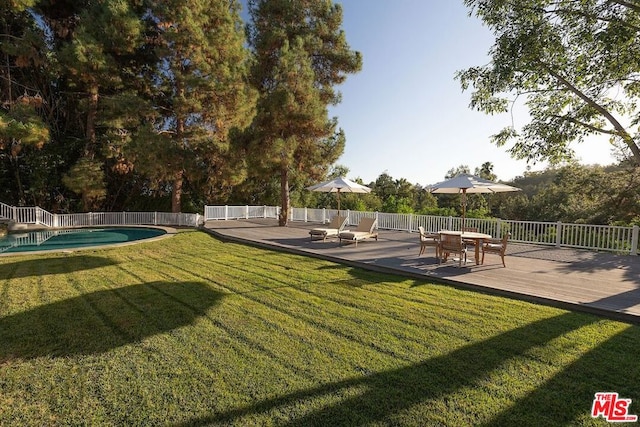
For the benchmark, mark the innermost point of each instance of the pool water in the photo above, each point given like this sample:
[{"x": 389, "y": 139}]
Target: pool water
[{"x": 46, "y": 240}]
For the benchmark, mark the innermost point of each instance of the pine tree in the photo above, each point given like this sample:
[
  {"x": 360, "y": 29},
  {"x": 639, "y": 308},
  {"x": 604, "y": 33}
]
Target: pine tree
[
  {"x": 199, "y": 93},
  {"x": 21, "y": 103},
  {"x": 301, "y": 54},
  {"x": 92, "y": 59}
]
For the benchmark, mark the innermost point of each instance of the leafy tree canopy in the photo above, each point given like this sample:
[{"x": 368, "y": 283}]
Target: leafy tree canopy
[{"x": 575, "y": 63}]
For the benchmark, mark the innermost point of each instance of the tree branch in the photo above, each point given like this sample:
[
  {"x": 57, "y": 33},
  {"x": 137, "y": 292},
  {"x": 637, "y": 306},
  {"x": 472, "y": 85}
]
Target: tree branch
[
  {"x": 619, "y": 129},
  {"x": 586, "y": 125},
  {"x": 634, "y": 7}
]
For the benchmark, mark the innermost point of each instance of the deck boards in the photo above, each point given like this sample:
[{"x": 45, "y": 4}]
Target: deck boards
[{"x": 601, "y": 283}]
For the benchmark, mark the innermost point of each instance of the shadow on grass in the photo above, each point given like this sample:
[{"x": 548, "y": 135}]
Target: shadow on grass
[
  {"x": 612, "y": 366},
  {"x": 50, "y": 266},
  {"x": 100, "y": 321},
  {"x": 389, "y": 393}
]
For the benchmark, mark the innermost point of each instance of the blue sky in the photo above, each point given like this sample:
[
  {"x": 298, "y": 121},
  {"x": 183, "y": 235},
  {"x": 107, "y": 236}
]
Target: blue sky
[{"x": 404, "y": 113}]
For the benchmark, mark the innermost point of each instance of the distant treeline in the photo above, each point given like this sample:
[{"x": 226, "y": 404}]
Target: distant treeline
[{"x": 572, "y": 193}]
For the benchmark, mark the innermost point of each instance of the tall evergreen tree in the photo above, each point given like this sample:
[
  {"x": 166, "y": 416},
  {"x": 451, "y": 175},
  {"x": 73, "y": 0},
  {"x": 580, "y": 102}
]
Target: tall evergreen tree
[
  {"x": 93, "y": 59},
  {"x": 199, "y": 95},
  {"x": 301, "y": 54},
  {"x": 22, "y": 125}
]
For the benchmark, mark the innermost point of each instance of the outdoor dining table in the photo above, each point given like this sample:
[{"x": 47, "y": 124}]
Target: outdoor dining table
[{"x": 471, "y": 235}]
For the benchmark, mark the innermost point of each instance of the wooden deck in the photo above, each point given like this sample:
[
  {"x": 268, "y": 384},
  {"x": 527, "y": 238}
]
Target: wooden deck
[{"x": 599, "y": 283}]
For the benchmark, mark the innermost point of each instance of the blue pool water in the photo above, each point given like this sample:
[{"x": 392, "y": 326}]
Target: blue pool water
[{"x": 46, "y": 240}]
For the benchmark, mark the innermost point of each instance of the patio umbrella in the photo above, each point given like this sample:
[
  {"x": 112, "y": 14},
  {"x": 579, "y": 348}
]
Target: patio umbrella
[
  {"x": 464, "y": 184},
  {"x": 339, "y": 185}
]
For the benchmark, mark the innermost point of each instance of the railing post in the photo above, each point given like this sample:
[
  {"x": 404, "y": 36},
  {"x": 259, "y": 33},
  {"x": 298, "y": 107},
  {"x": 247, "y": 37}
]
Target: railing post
[
  {"x": 498, "y": 233},
  {"x": 226, "y": 212},
  {"x": 305, "y": 214},
  {"x": 635, "y": 235},
  {"x": 246, "y": 211},
  {"x": 324, "y": 215},
  {"x": 410, "y": 223},
  {"x": 558, "y": 234},
  {"x": 264, "y": 211}
]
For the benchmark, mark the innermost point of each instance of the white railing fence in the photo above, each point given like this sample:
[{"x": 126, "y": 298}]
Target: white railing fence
[
  {"x": 36, "y": 215},
  {"x": 584, "y": 236}
]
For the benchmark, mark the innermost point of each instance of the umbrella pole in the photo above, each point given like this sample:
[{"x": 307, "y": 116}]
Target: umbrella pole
[
  {"x": 338, "y": 202},
  {"x": 464, "y": 208}
]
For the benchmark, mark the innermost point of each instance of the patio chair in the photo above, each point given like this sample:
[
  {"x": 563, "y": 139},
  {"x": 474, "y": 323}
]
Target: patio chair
[
  {"x": 365, "y": 230},
  {"x": 334, "y": 227},
  {"x": 451, "y": 243},
  {"x": 469, "y": 242},
  {"x": 428, "y": 239},
  {"x": 496, "y": 246}
]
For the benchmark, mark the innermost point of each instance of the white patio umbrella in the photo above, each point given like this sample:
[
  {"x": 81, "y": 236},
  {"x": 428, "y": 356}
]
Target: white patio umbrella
[
  {"x": 340, "y": 185},
  {"x": 465, "y": 184}
]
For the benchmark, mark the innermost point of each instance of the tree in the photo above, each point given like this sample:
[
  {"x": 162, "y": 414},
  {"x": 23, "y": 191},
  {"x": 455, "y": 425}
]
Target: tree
[
  {"x": 300, "y": 55},
  {"x": 457, "y": 171},
  {"x": 576, "y": 65},
  {"x": 198, "y": 96},
  {"x": 22, "y": 126},
  {"x": 384, "y": 186},
  {"x": 486, "y": 171},
  {"x": 107, "y": 32}
]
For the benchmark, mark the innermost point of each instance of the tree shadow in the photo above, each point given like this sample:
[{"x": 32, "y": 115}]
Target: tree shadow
[
  {"x": 100, "y": 321},
  {"x": 619, "y": 302},
  {"x": 580, "y": 260},
  {"x": 388, "y": 393},
  {"x": 57, "y": 265},
  {"x": 612, "y": 366}
]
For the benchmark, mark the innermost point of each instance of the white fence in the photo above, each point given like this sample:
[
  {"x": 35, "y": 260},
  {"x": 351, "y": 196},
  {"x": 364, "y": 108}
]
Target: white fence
[
  {"x": 36, "y": 215},
  {"x": 585, "y": 236}
]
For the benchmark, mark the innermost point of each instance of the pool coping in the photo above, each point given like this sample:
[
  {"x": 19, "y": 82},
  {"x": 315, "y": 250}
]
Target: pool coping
[{"x": 169, "y": 232}]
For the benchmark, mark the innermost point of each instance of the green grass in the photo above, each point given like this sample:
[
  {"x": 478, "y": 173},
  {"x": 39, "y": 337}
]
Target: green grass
[{"x": 192, "y": 331}]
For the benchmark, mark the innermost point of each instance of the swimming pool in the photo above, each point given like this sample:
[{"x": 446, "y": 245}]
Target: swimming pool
[{"x": 47, "y": 240}]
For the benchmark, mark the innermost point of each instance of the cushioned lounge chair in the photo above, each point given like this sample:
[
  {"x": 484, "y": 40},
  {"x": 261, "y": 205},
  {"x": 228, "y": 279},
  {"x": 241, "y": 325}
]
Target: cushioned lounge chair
[
  {"x": 366, "y": 230},
  {"x": 336, "y": 225}
]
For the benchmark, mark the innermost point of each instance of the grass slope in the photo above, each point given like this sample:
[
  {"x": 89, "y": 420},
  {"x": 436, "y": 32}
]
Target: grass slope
[{"x": 192, "y": 331}]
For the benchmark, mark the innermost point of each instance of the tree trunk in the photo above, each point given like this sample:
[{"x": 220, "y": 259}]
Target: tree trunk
[
  {"x": 92, "y": 113},
  {"x": 285, "y": 197},
  {"x": 176, "y": 192},
  {"x": 16, "y": 171}
]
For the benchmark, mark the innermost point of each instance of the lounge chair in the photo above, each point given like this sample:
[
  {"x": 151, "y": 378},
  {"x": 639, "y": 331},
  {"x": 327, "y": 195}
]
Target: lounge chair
[
  {"x": 336, "y": 225},
  {"x": 365, "y": 230},
  {"x": 428, "y": 239},
  {"x": 496, "y": 246}
]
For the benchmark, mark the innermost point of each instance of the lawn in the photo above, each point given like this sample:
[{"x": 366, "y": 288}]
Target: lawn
[{"x": 192, "y": 331}]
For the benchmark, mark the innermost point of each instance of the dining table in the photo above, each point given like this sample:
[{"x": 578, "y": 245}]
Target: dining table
[{"x": 478, "y": 239}]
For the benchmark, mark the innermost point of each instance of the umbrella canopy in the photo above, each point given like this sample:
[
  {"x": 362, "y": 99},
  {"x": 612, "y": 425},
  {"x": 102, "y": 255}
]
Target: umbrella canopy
[
  {"x": 339, "y": 185},
  {"x": 466, "y": 183}
]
